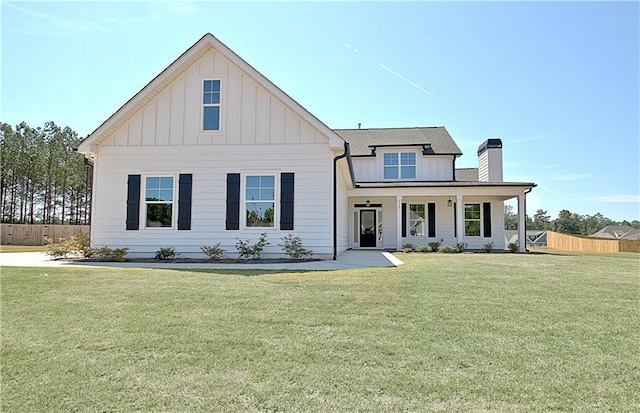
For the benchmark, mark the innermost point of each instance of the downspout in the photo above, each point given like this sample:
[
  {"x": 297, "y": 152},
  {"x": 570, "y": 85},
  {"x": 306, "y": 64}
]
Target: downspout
[{"x": 335, "y": 199}]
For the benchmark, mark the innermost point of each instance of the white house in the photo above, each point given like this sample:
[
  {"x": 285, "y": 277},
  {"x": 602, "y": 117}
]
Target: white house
[{"x": 210, "y": 151}]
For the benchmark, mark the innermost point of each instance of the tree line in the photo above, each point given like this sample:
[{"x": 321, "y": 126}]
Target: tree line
[
  {"x": 43, "y": 180},
  {"x": 567, "y": 222}
]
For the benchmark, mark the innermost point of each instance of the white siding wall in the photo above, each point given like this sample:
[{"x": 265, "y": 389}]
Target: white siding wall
[
  {"x": 249, "y": 114},
  {"x": 344, "y": 218},
  {"x": 428, "y": 168},
  {"x": 209, "y": 166},
  {"x": 490, "y": 165}
]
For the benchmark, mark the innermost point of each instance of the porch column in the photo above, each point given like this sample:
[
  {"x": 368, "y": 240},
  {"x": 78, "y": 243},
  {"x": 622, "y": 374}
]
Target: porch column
[
  {"x": 522, "y": 222},
  {"x": 398, "y": 222},
  {"x": 460, "y": 218}
]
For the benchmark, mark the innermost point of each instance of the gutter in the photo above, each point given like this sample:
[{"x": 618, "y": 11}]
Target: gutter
[{"x": 335, "y": 195}]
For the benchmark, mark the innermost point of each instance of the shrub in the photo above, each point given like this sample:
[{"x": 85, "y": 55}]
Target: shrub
[
  {"x": 448, "y": 249},
  {"x": 76, "y": 245},
  {"x": 408, "y": 247},
  {"x": 107, "y": 254},
  {"x": 488, "y": 246},
  {"x": 293, "y": 247},
  {"x": 252, "y": 251},
  {"x": 423, "y": 248},
  {"x": 435, "y": 246},
  {"x": 166, "y": 253},
  {"x": 461, "y": 246},
  {"x": 513, "y": 247},
  {"x": 214, "y": 252}
]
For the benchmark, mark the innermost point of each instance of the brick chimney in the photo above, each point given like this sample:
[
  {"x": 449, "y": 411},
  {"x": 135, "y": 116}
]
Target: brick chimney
[{"x": 490, "y": 160}]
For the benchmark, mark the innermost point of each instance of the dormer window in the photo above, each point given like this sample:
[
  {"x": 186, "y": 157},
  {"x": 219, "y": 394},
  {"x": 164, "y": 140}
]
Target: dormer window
[
  {"x": 211, "y": 105},
  {"x": 399, "y": 165}
]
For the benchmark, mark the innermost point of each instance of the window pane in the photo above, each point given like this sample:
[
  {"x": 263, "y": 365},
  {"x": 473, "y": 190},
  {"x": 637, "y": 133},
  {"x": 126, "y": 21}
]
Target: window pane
[
  {"x": 166, "y": 182},
  {"x": 416, "y": 220},
  {"x": 159, "y": 215},
  {"x": 208, "y": 85},
  {"x": 253, "y": 194},
  {"x": 166, "y": 195},
  {"x": 408, "y": 158},
  {"x": 260, "y": 214},
  {"x": 153, "y": 182},
  {"x": 267, "y": 194},
  {"x": 408, "y": 172},
  {"x": 253, "y": 182},
  {"x": 472, "y": 228},
  {"x": 216, "y": 85},
  {"x": 472, "y": 211},
  {"x": 211, "y": 118},
  {"x": 267, "y": 181},
  {"x": 391, "y": 172},
  {"x": 390, "y": 158}
]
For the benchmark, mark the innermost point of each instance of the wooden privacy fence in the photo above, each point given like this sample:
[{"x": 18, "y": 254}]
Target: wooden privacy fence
[
  {"x": 23, "y": 234},
  {"x": 564, "y": 242}
]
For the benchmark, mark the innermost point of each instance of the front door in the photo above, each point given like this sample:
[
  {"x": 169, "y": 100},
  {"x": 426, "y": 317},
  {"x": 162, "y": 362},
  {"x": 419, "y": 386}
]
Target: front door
[{"x": 368, "y": 228}]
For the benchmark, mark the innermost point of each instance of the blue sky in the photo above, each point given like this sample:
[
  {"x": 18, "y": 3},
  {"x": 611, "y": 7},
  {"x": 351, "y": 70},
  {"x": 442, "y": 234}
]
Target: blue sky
[{"x": 558, "y": 82}]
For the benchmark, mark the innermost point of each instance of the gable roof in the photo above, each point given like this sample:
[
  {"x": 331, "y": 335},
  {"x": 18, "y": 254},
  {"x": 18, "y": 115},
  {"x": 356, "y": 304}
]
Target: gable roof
[
  {"x": 362, "y": 141},
  {"x": 178, "y": 67},
  {"x": 618, "y": 232}
]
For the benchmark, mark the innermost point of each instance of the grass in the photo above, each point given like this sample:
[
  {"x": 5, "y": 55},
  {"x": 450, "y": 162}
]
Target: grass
[
  {"x": 459, "y": 332},
  {"x": 22, "y": 248}
]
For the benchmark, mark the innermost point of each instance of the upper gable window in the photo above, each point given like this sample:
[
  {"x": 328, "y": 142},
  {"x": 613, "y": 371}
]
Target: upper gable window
[
  {"x": 400, "y": 165},
  {"x": 211, "y": 105}
]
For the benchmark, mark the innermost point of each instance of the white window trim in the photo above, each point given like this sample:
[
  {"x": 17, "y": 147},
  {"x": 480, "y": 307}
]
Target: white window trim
[
  {"x": 220, "y": 105},
  {"x": 174, "y": 202},
  {"x": 425, "y": 222},
  {"x": 276, "y": 200},
  {"x": 464, "y": 220},
  {"x": 400, "y": 152}
]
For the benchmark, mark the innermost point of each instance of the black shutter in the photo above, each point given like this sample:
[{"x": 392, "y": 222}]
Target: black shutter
[
  {"x": 486, "y": 212},
  {"x": 431, "y": 215},
  {"x": 233, "y": 201},
  {"x": 404, "y": 219},
  {"x": 286, "y": 201},
  {"x": 133, "y": 202},
  {"x": 184, "y": 202},
  {"x": 455, "y": 219}
]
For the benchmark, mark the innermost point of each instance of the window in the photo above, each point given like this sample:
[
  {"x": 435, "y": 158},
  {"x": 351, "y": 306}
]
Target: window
[
  {"x": 399, "y": 165},
  {"x": 158, "y": 201},
  {"x": 211, "y": 105},
  {"x": 416, "y": 220},
  {"x": 472, "y": 220},
  {"x": 260, "y": 201}
]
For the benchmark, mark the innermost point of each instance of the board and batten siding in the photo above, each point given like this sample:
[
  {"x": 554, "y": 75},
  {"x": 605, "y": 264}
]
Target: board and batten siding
[
  {"x": 209, "y": 166},
  {"x": 249, "y": 113},
  {"x": 428, "y": 168}
]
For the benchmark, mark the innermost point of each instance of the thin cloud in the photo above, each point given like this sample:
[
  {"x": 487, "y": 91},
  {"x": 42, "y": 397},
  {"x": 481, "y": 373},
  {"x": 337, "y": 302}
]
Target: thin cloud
[
  {"x": 399, "y": 76},
  {"x": 571, "y": 177},
  {"x": 58, "y": 24},
  {"x": 617, "y": 198}
]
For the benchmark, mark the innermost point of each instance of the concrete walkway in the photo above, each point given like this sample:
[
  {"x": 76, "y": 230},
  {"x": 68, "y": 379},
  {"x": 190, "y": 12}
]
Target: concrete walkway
[{"x": 347, "y": 260}]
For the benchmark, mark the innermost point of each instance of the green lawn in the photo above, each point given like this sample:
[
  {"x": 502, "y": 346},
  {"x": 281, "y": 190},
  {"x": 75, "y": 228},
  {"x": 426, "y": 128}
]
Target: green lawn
[{"x": 458, "y": 332}]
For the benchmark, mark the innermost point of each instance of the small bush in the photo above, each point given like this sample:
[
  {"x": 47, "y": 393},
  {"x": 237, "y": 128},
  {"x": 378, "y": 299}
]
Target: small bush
[
  {"x": 214, "y": 252},
  {"x": 107, "y": 254},
  {"x": 408, "y": 247},
  {"x": 435, "y": 246},
  {"x": 166, "y": 253},
  {"x": 252, "y": 251},
  {"x": 513, "y": 247},
  {"x": 76, "y": 245},
  {"x": 461, "y": 246},
  {"x": 448, "y": 249},
  {"x": 292, "y": 246},
  {"x": 488, "y": 246},
  {"x": 423, "y": 248}
]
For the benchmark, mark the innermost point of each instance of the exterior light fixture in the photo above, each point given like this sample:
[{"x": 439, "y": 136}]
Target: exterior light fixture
[
  {"x": 368, "y": 203},
  {"x": 449, "y": 202}
]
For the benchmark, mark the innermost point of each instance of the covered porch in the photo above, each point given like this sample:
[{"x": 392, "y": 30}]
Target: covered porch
[{"x": 390, "y": 217}]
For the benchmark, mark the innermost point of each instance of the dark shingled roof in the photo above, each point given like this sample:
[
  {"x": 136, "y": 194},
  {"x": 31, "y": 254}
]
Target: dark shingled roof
[{"x": 360, "y": 140}]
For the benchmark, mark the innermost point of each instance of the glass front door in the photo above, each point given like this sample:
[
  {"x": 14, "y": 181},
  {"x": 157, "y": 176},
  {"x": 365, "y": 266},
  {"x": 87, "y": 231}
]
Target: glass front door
[{"x": 368, "y": 233}]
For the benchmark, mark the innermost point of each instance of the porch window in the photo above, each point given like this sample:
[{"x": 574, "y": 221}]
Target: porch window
[
  {"x": 472, "y": 220},
  {"x": 400, "y": 165},
  {"x": 416, "y": 220}
]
